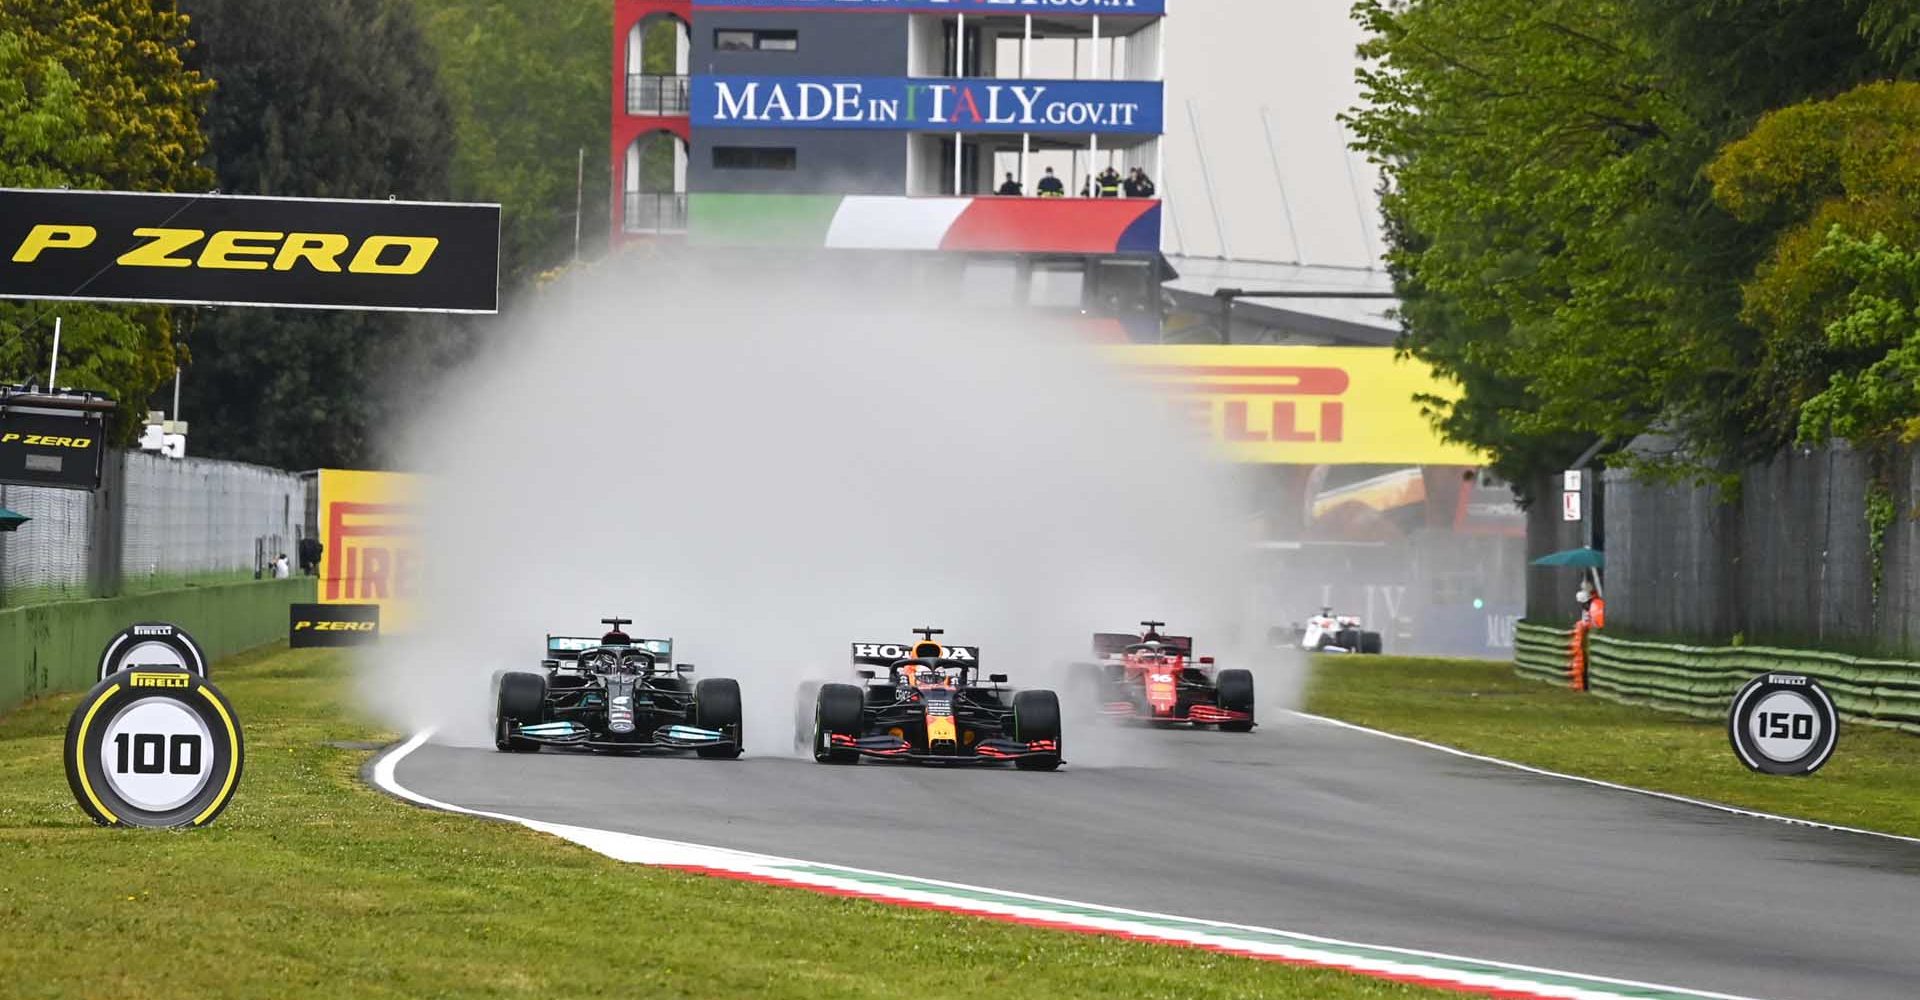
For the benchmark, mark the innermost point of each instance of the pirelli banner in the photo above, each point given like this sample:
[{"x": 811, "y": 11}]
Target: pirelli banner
[
  {"x": 370, "y": 554},
  {"x": 1304, "y": 405},
  {"x": 199, "y": 249}
]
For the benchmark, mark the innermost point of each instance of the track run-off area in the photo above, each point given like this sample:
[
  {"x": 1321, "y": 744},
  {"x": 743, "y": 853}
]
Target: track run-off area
[{"x": 1303, "y": 841}]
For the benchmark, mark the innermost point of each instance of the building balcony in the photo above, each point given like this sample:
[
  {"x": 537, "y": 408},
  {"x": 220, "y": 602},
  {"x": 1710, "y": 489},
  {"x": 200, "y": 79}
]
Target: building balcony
[
  {"x": 657, "y": 96},
  {"x": 1075, "y": 226},
  {"x": 647, "y": 212}
]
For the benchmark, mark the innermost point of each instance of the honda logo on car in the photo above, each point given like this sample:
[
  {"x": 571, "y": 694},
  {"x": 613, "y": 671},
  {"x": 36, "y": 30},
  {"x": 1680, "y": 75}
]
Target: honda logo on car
[
  {"x": 901, "y": 103},
  {"x": 895, "y": 651}
]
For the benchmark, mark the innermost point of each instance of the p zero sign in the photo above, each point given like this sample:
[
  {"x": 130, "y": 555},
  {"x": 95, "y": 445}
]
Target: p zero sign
[
  {"x": 950, "y": 6},
  {"x": 902, "y": 104},
  {"x": 1302, "y": 405},
  {"x": 310, "y": 625},
  {"x": 199, "y": 249}
]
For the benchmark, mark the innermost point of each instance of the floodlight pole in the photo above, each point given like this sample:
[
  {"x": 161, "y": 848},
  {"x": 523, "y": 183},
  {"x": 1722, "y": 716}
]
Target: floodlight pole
[{"x": 53, "y": 366}]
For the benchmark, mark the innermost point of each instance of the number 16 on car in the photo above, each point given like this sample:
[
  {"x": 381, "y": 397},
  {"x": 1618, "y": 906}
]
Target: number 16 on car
[{"x": 155, "y": 748}]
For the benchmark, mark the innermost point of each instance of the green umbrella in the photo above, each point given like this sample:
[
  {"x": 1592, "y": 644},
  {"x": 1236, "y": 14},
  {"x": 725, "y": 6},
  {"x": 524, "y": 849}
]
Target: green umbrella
[
  {"x": 9, "y": 521},
  {"x": 1584, "y": 558}
]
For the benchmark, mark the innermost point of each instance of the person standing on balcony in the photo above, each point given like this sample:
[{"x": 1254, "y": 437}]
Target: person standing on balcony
[
  {"x": 1010, "y": 188},
  {"x": 1139, "y": 185},
  {"x": 1109, "y": 182},
  {"x": 1050, "y": 186}
]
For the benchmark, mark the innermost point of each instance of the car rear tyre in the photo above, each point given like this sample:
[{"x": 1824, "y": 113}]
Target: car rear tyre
[
  {"x": 716, "y": 705},
  {"x": 1370, "y": 643},
  {"x": 522, "y": 699},
  {"x": 1236, "y": 695},
  {"x": 1036, "y": 716},
  {"x": 839, "y": 709}
]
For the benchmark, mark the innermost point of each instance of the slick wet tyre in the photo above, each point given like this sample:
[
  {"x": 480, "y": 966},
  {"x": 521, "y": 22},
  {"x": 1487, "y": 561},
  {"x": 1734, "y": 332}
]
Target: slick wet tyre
[
  {"x": 841, "y": 709},
  {"x": 1236, "y": 695},
  {"x": 716, "y": 705},
  {"x": 1036, "y": 716},
  {"x": 522, "y": 699}
]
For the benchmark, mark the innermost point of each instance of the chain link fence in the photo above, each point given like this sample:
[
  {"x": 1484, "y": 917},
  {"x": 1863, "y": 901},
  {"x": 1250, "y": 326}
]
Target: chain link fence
[{"x": 156, "y": 523}]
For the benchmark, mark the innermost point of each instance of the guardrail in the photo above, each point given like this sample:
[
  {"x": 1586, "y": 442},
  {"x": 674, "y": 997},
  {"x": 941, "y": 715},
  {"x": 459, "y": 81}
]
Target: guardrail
[
  {"x": 1701, "y": 680},
  {"x": 653, "y": 94}
]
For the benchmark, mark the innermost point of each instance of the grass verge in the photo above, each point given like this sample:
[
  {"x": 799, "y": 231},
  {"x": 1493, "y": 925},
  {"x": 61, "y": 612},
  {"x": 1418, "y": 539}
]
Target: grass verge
[
  {"x": 313, "y": 885},
  {"x": 1873, "y": 780}
]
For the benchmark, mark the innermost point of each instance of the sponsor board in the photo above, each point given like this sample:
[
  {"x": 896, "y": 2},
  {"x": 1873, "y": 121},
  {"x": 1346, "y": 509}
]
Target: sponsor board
[
  {"x": 908, "y": 104},
  {"x": 1303, "y": 405},
  {"x": 60, "y": 450},
  {"x": 367, "y": 529},
  {"x": 153, "y": 747},
  {"x": 229, "y": 250},
  {"x": 311, "y": 625},
  {"x": 1108, "y": 7},
  {"x": 152, "y": 646},
  {"x": 1783, "y": 724}
]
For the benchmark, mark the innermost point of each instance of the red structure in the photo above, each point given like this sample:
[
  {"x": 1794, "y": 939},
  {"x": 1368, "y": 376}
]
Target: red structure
[{"x": 647, "y": 105}]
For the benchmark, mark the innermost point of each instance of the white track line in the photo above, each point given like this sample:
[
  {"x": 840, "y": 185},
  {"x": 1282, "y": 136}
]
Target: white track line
[
  {"x": 1493, "y": 977},
  {"x": 1543, "y": 772}
]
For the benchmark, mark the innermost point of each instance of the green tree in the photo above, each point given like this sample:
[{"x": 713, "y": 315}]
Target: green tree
[
  {"x": 97, "y": 95},
  {"x": 529, "y": 89},
  {"x": 1549, "y": 226},
  {"x": 328, "y": 99},
  {"x": 1836, "y": 298}
]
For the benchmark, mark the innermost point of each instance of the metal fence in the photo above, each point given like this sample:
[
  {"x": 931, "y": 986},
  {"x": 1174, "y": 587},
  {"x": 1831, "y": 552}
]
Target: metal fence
[
  {"x": 1790, "y": 560},
  {"x": 652, "y": 94},
  {"x": 655, "y": 213},
  {"x": 155, "y": 523}
]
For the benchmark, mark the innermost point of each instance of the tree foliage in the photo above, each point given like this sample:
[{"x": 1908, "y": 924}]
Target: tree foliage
[
  {"x": 330, "y": 99},
  {"x": 1557, "y": 246},
  {"x": 1836, "y": 299},
  {"x": 96, "y": 95},
  {"x": 529, "y": 89}
]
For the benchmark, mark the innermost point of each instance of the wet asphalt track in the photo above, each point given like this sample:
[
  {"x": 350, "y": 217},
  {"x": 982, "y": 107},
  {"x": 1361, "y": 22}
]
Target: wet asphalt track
[{"x": 1301, "y": 826}]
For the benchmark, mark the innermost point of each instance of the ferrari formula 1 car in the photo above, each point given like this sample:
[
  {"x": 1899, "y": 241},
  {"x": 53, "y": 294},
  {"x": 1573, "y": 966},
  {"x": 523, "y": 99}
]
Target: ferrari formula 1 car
[
  {"x": 1327, "y": 632},
  {"x": 1154, "y": 678},
  {"x": 926, "y": 702},
  {"x": 615, "y": 693}
]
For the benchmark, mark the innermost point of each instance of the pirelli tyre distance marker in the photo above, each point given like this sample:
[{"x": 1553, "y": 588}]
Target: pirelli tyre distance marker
[
  {"x": 159, "y": 645},
  {"x": 154, "y": 748},
  {"x": 1783, "y": 724}
]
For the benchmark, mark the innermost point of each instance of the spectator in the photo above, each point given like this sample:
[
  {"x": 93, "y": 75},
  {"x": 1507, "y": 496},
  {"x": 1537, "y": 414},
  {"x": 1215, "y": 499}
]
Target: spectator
[
  {"x": 1010, "y": 188},
  {"x": 1109, "y": 182},
  {"x": 310, "y": 550},
  {"x": 1050, "y": 186},
  {"x": 280, "y": 568},
  {"x": 1139, "y": 185}
]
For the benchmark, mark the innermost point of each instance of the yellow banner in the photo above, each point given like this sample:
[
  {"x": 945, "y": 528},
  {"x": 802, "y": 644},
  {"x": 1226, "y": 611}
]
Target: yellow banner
[
  {"x": 367, "y": 524},
  {"x": 1304, "y": 405}
]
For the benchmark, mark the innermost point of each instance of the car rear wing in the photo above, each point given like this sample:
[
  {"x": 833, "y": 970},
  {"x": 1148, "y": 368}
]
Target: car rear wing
[
  {"x": 1107, "y": 645},
  {"x": 883, "y": 654},
  {"x": 569, "y": 647}
]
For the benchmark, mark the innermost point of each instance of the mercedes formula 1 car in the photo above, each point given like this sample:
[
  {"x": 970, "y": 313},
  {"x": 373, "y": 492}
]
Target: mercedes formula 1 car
[
  {"x": 1154, "y": 678},
  {"x": 926, "y": 702},
  {"x": 1327, "y": 632},
  {"x": 615, "y": 693}
]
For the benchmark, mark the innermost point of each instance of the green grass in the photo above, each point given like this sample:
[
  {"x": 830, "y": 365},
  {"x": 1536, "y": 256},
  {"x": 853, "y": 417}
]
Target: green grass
[
  {"x": 312, "y": 885},
  {"x": 1873, "y": 780}
]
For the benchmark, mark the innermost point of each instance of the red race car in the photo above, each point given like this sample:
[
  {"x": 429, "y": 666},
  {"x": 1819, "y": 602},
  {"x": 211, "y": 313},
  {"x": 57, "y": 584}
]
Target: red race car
[{"x": 1155, "y": 678}]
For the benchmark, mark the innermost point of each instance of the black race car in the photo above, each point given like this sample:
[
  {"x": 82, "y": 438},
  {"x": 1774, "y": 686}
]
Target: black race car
[
  {"x": 615, "y": 693},
  {"x": 930, "y": 706},
  {"x": 1155, "y": 678}
]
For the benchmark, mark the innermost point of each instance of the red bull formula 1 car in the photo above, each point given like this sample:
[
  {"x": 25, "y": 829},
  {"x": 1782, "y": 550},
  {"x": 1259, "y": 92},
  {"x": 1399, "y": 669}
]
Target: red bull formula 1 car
[
  {"x": 1154, "y": 678},
  {"x": 615, "y": 693},
  {"x": 927, "y": 702}
]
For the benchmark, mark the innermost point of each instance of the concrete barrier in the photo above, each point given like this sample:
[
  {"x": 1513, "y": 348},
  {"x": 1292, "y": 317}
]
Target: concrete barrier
[{"x": 47, "y": 648}]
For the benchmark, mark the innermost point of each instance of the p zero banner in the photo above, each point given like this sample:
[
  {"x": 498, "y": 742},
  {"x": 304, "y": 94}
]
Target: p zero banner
[
  {"x": 1304, "y": 405},
  {"x": 903, "y": 104},
  {"x": 201, "y": 249},
  {"x": 950, "y": 6},
  {"x": 367, "y": 528},
  {"x": 312, "y": 625},
  {"x": 61, "y": 450}
]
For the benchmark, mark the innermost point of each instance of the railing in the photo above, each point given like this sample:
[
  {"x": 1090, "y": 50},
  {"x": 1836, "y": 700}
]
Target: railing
[
  {"x": 655, "y": 213},
  {"x": 651, "y": 94}
]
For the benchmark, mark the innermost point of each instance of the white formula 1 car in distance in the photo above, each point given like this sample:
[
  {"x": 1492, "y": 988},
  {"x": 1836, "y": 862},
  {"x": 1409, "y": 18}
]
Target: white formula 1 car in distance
[{"x": 1327, "y": 632}]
